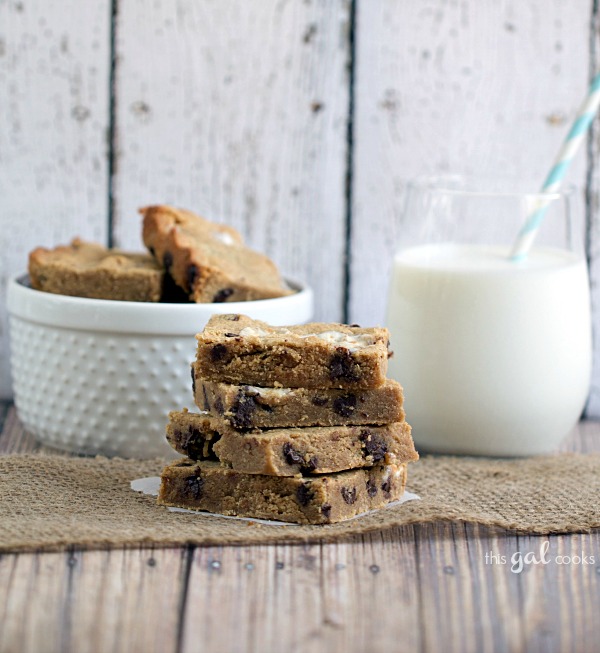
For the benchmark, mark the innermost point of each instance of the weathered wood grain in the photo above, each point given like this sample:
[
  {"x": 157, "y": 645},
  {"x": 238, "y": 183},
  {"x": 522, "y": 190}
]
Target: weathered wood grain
[
  {"x": 593, "y": 218},
  {"x": 54, "y": 59},
  {"x": 4, "y": 409},
  {"x": 147, "y": 590},
  {"x": 584, "y": 438},
  {"x": 13, "y": 437},
  {"x": 239, "y": 111},
  {"x": 465, "y": 88},
  {"x": 109, "y": 601},
  {"x": 428, "y": 588}
]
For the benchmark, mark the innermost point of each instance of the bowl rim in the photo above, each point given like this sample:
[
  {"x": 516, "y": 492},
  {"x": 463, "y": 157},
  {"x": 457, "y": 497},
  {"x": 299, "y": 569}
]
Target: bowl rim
[{"x": 83, "y": 313}]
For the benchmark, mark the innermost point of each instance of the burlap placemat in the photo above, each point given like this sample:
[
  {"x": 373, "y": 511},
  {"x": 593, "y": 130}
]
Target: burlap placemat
[{"x": 54, "y": 502}]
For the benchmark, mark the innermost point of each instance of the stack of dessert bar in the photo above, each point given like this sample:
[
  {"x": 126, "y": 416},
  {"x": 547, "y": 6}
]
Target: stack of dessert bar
[{"x": 298, "y": 424}]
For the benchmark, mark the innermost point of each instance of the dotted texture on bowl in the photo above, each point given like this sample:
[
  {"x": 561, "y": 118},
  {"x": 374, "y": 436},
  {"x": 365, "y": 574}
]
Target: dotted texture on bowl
[{"x": 99, "y": 393}]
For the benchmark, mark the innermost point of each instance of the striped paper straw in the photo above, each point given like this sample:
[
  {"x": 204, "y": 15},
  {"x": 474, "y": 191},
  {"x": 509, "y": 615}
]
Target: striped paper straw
[{"x": 559, "y": 170}]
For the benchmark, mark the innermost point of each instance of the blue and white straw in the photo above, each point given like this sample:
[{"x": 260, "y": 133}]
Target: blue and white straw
[{"x": 554, "y": 179}]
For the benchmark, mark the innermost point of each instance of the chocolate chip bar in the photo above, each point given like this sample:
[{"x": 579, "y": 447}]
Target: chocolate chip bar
[
  {"x": 192, "y": 434},
  {"x": 208, "y": 261},
  {"x": 324, "y": 499},
  {"x": 246, "y": 406},
  {"x": 84, "y": 269},
  {"x": 290, "y": 451},
  {"x": 236, "y": 349}
]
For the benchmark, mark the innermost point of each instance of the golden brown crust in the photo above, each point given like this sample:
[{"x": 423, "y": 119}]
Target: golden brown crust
[
  {"x": 306, "y": 500},
  {"x": 90, "y": 270},
  {"x": 159, "y": 220},
  {"x": 208, "y": 260},
  {"x": 290, "y": 451},
  {"x": 233, "y": 348},
  {"x": 247, "y": 406}
]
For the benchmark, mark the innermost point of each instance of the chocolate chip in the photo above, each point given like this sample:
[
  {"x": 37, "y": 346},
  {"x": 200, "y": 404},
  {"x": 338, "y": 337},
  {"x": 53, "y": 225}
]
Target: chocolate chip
[
  {"x": 233, "y": 318},
  {"x": 206, "y": 401},
  {"x": 304, "y": 494},
  {"x": 326, "y": 510},
  {"x": 231, "y": 335},
  {"x": 193, "y": 381},
  {"x": 243, "y": 407},
  {"x": 219, "y": 406},
  {"x": 319, "y": 401},
  {"x": 349, "y": 495},
  {"x": 342, "y": 366},
  {"x": 171, "y": 293},
  {"x": 386, "y": 488},
  {"x": 167, "y": 260},
  {"x": 193, "y": 273},
  {"x": 373, "y": 445},
  {"x": 310, "y": 466},
  {"x": 371, "y": 488},
  {"x": 184, "y": 436},
  {"x": 192, "y": 443},
  {"x": 344, "y": 405},
  {"x": 222, "y": 295},
  {"x": 355, "y": 326},
  {"x": 292, "y": 457},
  {"x": 193, "y": 486},
  {"x": 218, "y": 353}
]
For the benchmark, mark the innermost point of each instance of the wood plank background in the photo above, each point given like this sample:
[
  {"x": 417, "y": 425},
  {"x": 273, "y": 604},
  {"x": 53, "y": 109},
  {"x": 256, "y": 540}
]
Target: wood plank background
[
  {"x": 299, "y": 122},
  {"x": 415, "y": 588}
]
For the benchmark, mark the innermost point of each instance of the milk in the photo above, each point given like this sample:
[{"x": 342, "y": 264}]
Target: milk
[{"x": 494, "y": 355}]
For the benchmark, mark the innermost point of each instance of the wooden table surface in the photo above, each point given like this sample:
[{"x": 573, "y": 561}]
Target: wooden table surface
[{"x": 416, "y": 588}]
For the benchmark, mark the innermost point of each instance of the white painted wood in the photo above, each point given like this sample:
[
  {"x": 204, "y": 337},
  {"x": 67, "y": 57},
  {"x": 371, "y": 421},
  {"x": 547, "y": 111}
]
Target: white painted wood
[
  {"x": 462, "y": 87},
  {"x": 238, "y": 110},
  {"x": 593, "y": 239},
  {"x": 54, "y": 71}
]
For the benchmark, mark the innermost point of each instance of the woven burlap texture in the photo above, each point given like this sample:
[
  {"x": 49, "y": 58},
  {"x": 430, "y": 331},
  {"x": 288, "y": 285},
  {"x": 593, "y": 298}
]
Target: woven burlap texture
[{"x": 55, "y": 502}]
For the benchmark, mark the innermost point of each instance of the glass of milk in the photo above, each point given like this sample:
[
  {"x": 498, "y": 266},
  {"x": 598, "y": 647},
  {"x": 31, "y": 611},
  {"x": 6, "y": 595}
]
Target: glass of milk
[{"x": 494, "y": 355}]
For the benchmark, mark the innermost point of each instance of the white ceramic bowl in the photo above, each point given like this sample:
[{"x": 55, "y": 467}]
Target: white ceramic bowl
[{"x": 99, "y": 377}]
